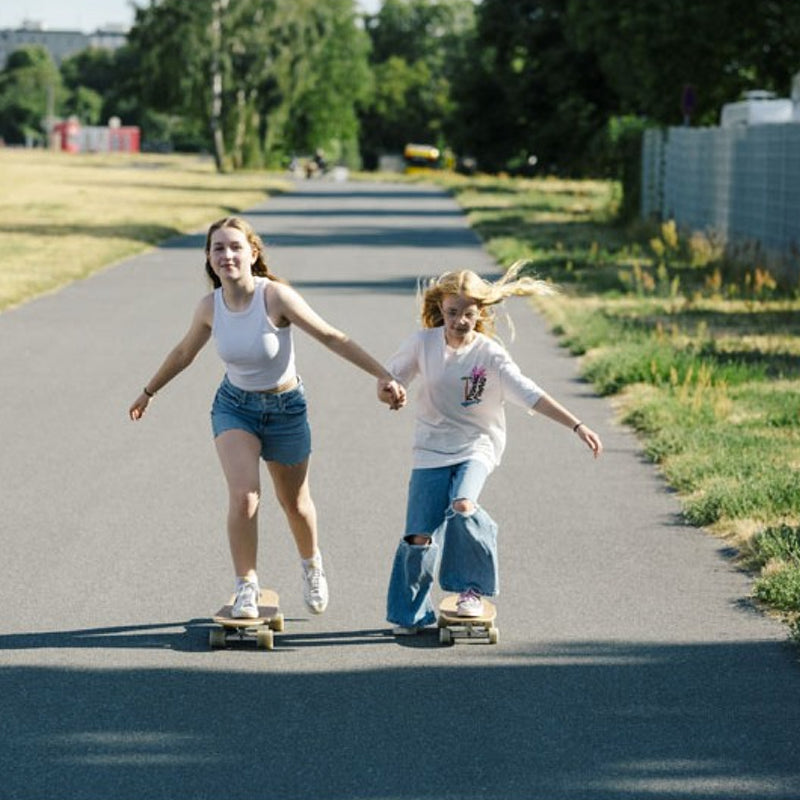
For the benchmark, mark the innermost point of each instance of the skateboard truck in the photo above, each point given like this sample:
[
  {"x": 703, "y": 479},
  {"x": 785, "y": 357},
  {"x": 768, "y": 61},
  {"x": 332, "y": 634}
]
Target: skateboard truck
[
  {"x": 262, "y": 628},
  {"x": 452, "y": 627}
]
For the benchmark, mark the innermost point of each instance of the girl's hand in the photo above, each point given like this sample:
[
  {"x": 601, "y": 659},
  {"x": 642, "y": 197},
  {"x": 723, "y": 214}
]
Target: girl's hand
[
  {"x": 591, "y": 439},
  {"x": 392, "y": 393},
  {"x": 139, "y": 406}
]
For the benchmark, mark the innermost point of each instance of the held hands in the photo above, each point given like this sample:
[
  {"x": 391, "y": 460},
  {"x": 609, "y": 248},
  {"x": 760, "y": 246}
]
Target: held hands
[{"x": 392, "y": 393}]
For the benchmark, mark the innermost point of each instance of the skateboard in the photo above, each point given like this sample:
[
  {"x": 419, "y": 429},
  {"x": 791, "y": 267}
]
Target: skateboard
[
  {"x": 453, "y": 627},
  {"x": 261, "y": 628}
]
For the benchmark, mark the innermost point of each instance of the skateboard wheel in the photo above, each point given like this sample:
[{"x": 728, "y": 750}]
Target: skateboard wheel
[
  {"x": 277, "y": 623},
  {"x": 494, "y": 636},
  {"x": 265, "y": 640},
  {"x": 216, "y": 637},
  {"x": 445, "y": 636}
]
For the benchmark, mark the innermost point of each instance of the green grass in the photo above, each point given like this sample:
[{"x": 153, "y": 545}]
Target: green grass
[{"x": 775, "y": 553}]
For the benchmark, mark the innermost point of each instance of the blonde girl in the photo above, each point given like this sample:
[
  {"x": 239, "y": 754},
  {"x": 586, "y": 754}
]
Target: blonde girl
[{"x": 466, "y": 376}]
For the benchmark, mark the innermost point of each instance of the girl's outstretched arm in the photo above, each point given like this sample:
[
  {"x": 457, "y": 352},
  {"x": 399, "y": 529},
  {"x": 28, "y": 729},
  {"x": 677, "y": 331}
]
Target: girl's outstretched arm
[
  {"x": 287, "y": 303},
  {"x": 553, "y": 410},
  {"x": 179, "y": 357}
]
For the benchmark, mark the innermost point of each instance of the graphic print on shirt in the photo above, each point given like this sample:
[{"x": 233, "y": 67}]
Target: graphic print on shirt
[{"x": 474, "y": 384}]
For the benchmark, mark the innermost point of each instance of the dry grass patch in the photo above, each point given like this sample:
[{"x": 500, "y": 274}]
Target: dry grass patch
[{"x": 64, "y": 216}]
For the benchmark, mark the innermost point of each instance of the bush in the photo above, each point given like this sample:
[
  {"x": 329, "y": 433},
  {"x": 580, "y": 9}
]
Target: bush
[
  {"x": 780, "y": 589},
  {"x": 625, "y": 138}
]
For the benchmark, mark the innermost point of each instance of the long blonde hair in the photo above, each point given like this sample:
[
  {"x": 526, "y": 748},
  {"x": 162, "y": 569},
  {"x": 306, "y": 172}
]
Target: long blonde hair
[{"x": 485, "y": 294}]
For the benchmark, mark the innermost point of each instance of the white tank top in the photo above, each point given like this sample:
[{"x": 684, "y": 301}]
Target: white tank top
[{"x": 257, "y": 355}]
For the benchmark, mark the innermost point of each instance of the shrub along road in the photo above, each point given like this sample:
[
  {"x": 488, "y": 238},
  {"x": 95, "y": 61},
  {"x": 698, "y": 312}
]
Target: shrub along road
[{"x": 630, "y": 662}]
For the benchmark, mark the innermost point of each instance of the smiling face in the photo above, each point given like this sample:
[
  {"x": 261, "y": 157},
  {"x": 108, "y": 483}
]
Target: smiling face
[
  {"x": 461, "y": 315},
  {"x": 230, "y": 254}
]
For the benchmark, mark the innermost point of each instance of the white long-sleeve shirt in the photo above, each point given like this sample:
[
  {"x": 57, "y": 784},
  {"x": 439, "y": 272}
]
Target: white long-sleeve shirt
[{"x": 460, "y": 406}]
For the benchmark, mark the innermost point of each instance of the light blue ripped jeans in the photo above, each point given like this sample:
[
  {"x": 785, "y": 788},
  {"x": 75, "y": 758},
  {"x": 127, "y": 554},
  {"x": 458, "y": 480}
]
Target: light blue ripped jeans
[{"x": 467, "y": 543}]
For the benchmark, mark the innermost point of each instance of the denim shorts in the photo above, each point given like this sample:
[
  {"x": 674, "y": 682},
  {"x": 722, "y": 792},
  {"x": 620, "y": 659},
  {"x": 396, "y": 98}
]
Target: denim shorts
[
  {"x": 278, "y": 421},
  {"x": 432, "y": 490}
]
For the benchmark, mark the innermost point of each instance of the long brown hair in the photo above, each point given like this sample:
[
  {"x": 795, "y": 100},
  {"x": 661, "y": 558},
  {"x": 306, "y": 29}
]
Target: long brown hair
[{"x": 260, "y": 266}]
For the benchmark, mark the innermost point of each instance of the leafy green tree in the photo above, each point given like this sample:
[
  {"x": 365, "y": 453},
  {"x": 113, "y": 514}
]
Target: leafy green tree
[
  {"x": 170, "y": 43},
  {"x": 30, "y": 94},
  {"x": 324, "y": 112},
  {"x": 548, "y": 78},
  {"x": 263, "y": 77},
  {"x": 85, "y": 104},
  {"x": 122, "y": 96},
  {"x": 92, "y": 68},
  {"x": 400, "y": 111},
  {"x": 300, "y": 90},
  {"x": 529, "y": 96},
  {"x": 419, "y": 48},
  {"x": 87, "y": 76},
  {"x": 649, "y": 51}
]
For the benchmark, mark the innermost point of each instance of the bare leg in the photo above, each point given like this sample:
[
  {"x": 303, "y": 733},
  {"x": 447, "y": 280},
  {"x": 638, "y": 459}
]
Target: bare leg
[
  {"x": 294, "y": 495},
  {"x": 239, "y": 454}
]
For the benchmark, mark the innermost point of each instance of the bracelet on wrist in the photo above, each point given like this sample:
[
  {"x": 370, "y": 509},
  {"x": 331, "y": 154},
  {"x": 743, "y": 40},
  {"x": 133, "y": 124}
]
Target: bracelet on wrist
[
  {"x": 576, "y": 426},
  {"x": 148, "y": 392}
]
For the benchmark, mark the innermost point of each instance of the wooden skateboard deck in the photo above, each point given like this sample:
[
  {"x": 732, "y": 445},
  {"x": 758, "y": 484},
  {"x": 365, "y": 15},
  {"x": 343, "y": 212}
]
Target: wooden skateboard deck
[
  {"x": 453, "y": 627},
  {"x": 261, "y": 628}
]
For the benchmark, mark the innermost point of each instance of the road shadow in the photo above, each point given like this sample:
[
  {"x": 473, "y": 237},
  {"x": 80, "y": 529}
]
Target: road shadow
[
  {"x": 356, "y": 211},
  {"x": 365, "y": 191},
  {"x": 190, "y": 636},
  {"x": 590, "y": 721},
  {"x": 367, "y": 236},
  {"x": 396, "y": 285},
  {"x": 146, "y": 234}
]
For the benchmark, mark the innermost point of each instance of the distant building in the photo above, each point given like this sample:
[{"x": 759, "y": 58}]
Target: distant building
[
  {"x": 70, "y": 136},
  {"x": 60, "y": 44}
]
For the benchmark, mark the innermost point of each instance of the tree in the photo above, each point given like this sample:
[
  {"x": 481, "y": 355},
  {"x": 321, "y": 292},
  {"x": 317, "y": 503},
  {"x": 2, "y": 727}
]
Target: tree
[
  {"x": 529, "y": 92},
  {"x": 94, "y": 68},
  {"x": 649, "y": 50},
  {"x": 264, "y": 77},
  {"x": 84, "y": 104},
  {"x": 30, "y": 94},
  {"x": 419, "y": 48},
  {"x": 170, "y": 44},
  {"x": 122, "y": 96},
  {"x": 324, "y": 111},
  {"x": 89, "y": 77}
]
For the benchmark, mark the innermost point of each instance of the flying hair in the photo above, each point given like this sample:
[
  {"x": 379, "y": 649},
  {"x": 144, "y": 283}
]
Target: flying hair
[{"x": 486, "y": 294}]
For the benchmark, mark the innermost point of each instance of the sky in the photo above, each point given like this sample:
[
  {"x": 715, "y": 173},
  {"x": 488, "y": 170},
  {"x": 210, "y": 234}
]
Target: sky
[{"x": 83, "y": 15}]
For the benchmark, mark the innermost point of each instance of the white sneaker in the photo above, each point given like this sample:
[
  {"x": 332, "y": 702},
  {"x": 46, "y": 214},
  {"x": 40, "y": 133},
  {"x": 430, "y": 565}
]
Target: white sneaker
[
  {"x": 469, "y": 604},
  {"x": 245, "y": 606},
  {"x": 315, "y": 587}
]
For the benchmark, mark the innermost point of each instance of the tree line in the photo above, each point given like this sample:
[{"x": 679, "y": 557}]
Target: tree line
[{"x": 515, "y": 85}]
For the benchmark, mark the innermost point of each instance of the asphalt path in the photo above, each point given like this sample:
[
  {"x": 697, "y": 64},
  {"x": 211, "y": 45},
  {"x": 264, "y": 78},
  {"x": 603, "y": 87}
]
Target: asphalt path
[{"x": 630, "y": 664}]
